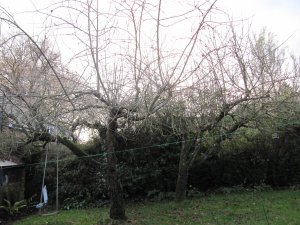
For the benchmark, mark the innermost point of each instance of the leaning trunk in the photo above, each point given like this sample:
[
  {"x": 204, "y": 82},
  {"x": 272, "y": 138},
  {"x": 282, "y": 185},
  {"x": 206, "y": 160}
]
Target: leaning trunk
[
  {"x": 117, "y": 209},
  {"x": 182, "y": 177}
]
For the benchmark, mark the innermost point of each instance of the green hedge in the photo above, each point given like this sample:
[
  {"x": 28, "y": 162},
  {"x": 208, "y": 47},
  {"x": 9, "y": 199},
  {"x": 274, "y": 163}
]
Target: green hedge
[{"x": 146, "y": 171}]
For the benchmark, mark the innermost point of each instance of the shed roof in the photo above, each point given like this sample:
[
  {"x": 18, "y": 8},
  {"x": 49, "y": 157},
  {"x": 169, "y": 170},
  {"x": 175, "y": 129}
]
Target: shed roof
[{"x": 6, "y": 163}]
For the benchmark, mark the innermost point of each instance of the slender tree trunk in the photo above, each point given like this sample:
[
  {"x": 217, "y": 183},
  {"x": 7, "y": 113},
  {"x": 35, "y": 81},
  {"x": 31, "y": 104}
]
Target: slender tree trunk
[
  {"x": 117, "y": 208},
  {"x": 182, "y": 177}
]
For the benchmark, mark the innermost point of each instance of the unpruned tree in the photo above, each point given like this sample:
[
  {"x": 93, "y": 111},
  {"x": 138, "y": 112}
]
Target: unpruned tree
[
  {"x": 236, "y": 89},
  {"x": 134, "y": 59}
]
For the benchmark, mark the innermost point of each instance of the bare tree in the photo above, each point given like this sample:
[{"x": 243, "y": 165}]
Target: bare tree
[
  {"x": 134, "y": 57},
  {"x": 235, "y": 89},
  {"x": 133, "y": 63},
  {"x": 34, "y": 101},
  {"x": 136, "y": 77}
]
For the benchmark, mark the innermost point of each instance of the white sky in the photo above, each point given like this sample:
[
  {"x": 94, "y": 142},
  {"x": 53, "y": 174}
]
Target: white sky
[{"x": 281, "y": 17}]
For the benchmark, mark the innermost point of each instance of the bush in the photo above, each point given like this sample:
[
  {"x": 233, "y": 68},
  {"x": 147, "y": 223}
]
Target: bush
[
  {"x": 151, "y": 172},
  {"x": 262, "y": 161}
]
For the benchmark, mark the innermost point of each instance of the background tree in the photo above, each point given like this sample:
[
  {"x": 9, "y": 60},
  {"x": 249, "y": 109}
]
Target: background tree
[
  {"x": 235, "y": 90},
  {"x": 35, "y": 103}
]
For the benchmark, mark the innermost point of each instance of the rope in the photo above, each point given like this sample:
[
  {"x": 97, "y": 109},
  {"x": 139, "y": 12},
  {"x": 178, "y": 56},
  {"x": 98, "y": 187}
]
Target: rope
[
  {"x": 44, "y": 174},
  {"x": 56, "y": 179}
]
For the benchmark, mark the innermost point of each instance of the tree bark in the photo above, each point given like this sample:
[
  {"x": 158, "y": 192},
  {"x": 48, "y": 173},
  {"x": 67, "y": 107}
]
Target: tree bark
[
  {"x": 117, "y": 209},
  {"x": 183, "y": 168}
]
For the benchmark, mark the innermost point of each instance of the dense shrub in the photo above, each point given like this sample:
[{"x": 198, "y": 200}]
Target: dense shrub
[
  {"x": 147, "y": 168},
  {"x": 143, "y": 166},
  {"x": 275, "y": 162}
]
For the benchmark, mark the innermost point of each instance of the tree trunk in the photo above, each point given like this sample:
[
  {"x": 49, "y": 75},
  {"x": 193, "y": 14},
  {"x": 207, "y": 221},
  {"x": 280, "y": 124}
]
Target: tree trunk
[
  {"x": 182, "y": 177},
  {"x": 117, "y": 209}
]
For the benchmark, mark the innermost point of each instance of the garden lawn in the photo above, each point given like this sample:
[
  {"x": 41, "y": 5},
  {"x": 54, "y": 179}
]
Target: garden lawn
[{"x": 273, "y": 207}]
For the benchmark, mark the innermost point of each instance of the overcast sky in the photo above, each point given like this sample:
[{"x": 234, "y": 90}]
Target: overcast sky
[{"x": 282, "y": 17}]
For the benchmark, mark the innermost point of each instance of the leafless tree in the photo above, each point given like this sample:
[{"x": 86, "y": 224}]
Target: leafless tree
[
  {"x": 235, "y": 88},
  {"x": 134, "y": 57},
  {"x": 34, "y": 101},
  {"x": 133, "y": 63}
]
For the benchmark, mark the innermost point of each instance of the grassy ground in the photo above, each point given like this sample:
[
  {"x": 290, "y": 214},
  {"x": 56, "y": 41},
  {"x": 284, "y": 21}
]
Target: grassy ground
[{"x": 264, "y": 208}]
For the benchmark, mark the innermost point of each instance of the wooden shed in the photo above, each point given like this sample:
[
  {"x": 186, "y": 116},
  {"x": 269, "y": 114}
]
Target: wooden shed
[{"x": 12, "y": 181}]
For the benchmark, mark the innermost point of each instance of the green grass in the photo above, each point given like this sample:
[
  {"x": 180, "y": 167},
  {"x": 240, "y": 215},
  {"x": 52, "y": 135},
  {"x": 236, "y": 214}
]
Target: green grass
[{"x": 274, "y": 208}]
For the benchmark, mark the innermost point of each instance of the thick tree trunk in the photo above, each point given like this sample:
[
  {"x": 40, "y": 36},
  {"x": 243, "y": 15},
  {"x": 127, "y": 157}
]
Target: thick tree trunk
[
  {"x": 117, "y": 209},
  {"x": 182, "y": 177}
]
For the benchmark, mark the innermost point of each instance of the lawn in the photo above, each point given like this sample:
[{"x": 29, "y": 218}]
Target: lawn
[{"x": 253, "y": 208}]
